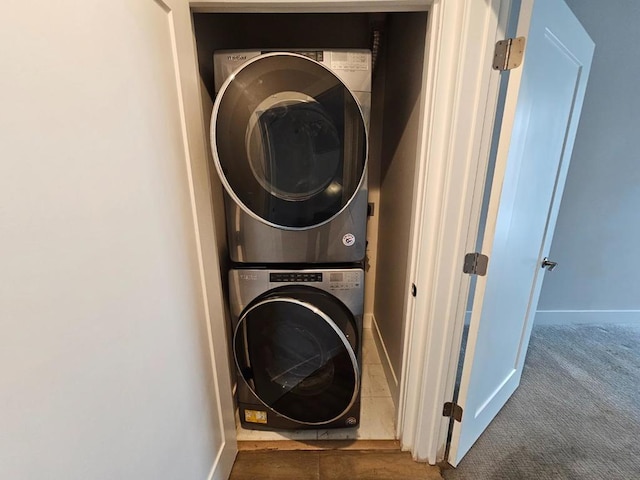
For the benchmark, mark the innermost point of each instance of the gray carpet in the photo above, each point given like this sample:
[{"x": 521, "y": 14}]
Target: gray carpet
[{"x": 575, "y": 415}]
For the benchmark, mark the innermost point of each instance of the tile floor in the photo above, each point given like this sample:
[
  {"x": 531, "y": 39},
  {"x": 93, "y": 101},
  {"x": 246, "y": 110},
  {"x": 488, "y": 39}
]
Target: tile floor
[{"x": 377, "y": 409}]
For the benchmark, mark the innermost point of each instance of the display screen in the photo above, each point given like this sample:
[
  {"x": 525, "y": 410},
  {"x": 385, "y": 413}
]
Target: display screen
[{"x": 336, "y": 277}]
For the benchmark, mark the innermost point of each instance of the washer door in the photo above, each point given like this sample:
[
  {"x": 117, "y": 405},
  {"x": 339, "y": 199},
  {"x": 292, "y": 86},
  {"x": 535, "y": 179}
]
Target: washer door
[
  {"x": 295, "y": 348},
  {"x": 289, "y": 141}
]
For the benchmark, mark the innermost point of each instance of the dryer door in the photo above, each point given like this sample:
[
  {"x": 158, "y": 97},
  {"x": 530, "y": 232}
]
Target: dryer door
[
  {"x": 289, "y": 141},
  {"x": 296, "y": 349}
]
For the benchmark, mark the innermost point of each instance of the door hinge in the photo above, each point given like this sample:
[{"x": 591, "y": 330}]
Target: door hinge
[
  {"x": 508, "y": 53},
  {"x": 475, "y": 264},
  {"x": 452, "y": 410},
  {"x": 414, "y": 290}
]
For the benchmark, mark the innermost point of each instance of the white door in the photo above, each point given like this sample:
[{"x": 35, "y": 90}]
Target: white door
[{"x": 535, "y": 147}]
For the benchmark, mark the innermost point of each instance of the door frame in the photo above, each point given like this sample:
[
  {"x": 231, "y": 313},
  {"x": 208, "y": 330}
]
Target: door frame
[
  {"x": 203, "y": 220},
  {"x": 448, "y": 211},
  {"x": 457, "y": 113}
]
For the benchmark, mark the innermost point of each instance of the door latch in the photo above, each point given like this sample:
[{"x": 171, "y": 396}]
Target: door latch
[{"x": 548, "y": 264}]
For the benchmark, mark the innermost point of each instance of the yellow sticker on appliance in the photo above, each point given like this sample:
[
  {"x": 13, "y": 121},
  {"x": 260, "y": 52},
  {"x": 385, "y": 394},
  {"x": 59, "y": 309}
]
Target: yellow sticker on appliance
[{"x": 255, "y": 416}]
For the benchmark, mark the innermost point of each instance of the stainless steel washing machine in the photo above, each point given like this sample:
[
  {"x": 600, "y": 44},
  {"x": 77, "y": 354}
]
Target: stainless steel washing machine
[
  {"x": 297, "y": 346},
  {"x": 289, "y": 142}
]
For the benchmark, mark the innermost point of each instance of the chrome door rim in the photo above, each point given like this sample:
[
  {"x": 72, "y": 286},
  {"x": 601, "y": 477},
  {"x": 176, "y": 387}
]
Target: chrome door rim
[
  {"x": 218, "y": 165},
  {"x": 332, "y": 324}
]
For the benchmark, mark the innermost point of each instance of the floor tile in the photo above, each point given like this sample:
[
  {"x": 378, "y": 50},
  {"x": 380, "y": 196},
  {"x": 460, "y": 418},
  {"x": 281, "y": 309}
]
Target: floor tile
[
  {"x": 286, "y": 465},
  {"x": 376, "y": 422},
  {"x": 378, "y": 415},
  {"x": 373, "y": 465},
  {"x": 374, "y": 382},
  {"x": 370, "y": 355}
]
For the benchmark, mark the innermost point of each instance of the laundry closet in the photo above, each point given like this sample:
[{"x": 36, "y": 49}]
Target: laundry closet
[
  {"x": 131, "y": 177},
  {"x": 397, "y": 44}
]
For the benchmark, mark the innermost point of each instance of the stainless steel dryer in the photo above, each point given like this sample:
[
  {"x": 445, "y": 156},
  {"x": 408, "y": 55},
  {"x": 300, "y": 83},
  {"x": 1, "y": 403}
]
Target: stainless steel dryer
[
  {"x": 289, "y": 141},
  {"x": 297, "y": 347}
]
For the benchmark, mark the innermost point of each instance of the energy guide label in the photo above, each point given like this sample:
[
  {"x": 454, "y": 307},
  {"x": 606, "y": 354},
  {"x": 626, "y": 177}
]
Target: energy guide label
[{"x": 255, "y": 416}]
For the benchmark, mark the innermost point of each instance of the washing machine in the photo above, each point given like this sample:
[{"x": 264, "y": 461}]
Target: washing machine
[
  {"x": 289, "y": 142},
  {"x": 297, "y": 347}
]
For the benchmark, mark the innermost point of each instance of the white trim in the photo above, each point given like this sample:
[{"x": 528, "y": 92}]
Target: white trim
[
  {"x": 223, "y": 463},
  {"x": 386, "y": 361},
  {"x": 298, "y": 6},
  {"x": 461, "y": 98},
  {"x": 415, "y": 331},
  {"x": 574, "y": 317},
  {"x": 367, "y": 320},
  {"x": 196, "y": 225},
  {"x": 193, "y": 132}
]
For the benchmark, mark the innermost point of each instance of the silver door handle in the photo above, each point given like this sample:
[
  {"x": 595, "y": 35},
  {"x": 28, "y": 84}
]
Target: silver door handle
[{"x": 548, "y": 264}]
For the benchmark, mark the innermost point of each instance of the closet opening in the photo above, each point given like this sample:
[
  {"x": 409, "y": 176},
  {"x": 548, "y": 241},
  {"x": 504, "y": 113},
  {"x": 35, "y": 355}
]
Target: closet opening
[{"x": 397, "y": 42}]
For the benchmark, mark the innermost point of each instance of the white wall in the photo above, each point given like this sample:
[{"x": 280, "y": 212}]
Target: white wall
[
  {"x": 105, "y": 371},
  {"x": 596, "y": 237},
  {"x": 399, "y": 143}
]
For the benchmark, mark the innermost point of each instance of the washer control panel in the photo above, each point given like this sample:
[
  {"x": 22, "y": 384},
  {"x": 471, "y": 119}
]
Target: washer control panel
[
  {"x": 293, "y": 277},
  {"x": 344, "y": 280},
  {"x": 247, "y": 284}
]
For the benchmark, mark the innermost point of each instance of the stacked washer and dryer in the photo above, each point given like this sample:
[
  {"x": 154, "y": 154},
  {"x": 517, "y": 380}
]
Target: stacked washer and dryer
[{"x": 289, "y": 141}]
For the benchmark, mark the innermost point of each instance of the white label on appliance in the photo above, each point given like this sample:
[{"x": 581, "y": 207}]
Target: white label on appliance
[
  {"x": 349, "y": 239},
  {"x": 248, "y": 276},
  {"x": 349, "y": 61}
]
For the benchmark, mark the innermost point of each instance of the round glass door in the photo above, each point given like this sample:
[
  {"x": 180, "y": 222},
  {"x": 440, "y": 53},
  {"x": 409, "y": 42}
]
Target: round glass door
[
  {"x": 295, "y": 349},
  {"x": 289, "y": 141}
]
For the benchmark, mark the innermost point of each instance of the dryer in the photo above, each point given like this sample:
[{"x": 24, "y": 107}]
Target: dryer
[
  {"x": 297, "y": 346},
  {"x": 289, "y": 142}
]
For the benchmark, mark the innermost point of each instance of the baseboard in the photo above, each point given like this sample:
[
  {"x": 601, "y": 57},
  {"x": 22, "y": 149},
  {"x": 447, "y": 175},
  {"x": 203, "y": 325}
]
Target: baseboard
[
  {"x": 223, "y": 463},
  {"x": 573, "y": 317},
  {"x": 367, "y": 320},
  {"x": 392, "y": 379}
]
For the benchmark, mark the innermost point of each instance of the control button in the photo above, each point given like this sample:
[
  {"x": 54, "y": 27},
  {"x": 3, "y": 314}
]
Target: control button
[{"x": 294, "y": 277}]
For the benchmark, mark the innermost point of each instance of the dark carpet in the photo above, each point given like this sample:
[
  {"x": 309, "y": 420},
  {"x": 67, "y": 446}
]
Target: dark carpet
[{"x": 575, "y": 415}]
